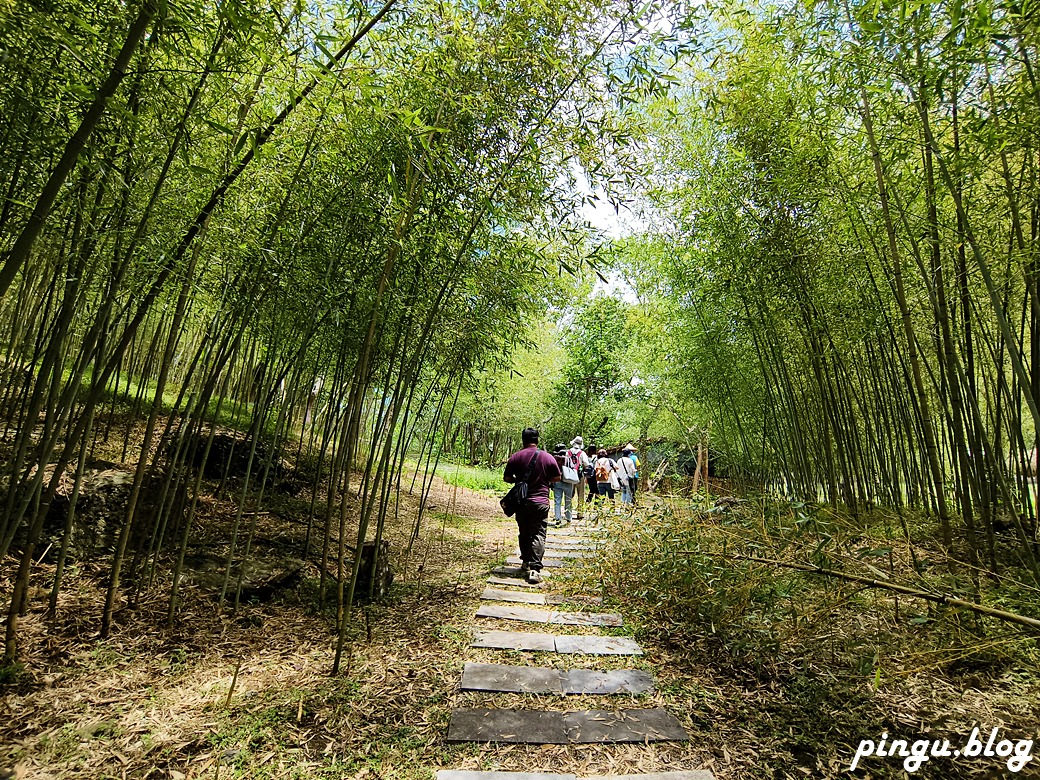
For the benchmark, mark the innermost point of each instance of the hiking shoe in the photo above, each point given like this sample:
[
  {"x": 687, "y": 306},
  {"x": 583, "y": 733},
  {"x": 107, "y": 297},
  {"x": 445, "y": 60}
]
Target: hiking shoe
[
  {"x": 534, "y": 577},
  {"x": 525, "y": 567}
]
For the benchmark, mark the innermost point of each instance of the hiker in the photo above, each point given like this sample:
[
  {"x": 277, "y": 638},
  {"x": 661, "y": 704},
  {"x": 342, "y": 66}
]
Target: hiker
[
  {"x": 629, "y": 466},
  {"x": 590, "y": 473},
  {"x": 584, "y": 468},
  {"x": 540, "y": 470},
  {"x": 619, "y": 481},
  {"x": 563, "y": 490},
  {"x": 606, "y": 475}
]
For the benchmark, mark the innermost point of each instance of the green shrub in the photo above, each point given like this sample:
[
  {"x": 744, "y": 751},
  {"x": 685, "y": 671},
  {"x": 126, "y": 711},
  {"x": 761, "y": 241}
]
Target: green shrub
[
  {"x": 472, "y": 477},
  {"x": 668, "y": 567}
]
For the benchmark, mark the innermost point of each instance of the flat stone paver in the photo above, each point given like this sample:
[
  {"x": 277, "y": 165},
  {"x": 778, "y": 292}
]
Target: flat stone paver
[
  {"x": 559, "y": 728},
  {"x": 552, "y": 643},
  {"x": 483, "y": 725},
  {"x": 455, "y": 774},
  {"x": 511, "y": 679},
  {"x": 514, "y": 571},
  {"x": 598, "y": 645},
  {"x": 548, "y": 563},
  {"x": 503, "y": 678},
  {"x": 513, "y": 582},
  {"x": 586, "y": 619},
  {"x": 596, "y": 600},
  {"x": 531, "y": 615},
  {"x": 527, "y": 597},
  {"x": 518, "y": 597},
  {"x": 591, "y": 682},
  {"x": 652, "y": 725},
  {"x": 514, "y": 640},
  {"x": 560, "y": 553},
  {"x": 525, "y": 614},
  {"x": 579, "y": 528}
]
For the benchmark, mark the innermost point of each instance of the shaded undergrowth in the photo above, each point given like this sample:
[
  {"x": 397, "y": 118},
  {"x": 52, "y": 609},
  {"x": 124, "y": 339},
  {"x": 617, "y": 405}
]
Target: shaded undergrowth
[{"x": 796, "y": 668}]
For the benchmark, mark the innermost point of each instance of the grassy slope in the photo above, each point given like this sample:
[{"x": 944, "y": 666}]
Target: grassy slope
[{"x": 780, "y": 690}]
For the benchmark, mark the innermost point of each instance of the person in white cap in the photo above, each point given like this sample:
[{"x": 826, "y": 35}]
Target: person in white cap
[
  {"x": 578, "y": 455},
  {"x": 629, "y": 464}
]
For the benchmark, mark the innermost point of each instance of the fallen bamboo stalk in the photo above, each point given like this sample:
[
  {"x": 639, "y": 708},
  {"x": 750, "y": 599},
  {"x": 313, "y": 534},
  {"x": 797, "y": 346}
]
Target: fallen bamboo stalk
[{"x": 938, "y": 598}]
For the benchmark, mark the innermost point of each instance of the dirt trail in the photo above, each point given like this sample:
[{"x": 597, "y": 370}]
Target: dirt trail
[{"x": 152, "y": 703}]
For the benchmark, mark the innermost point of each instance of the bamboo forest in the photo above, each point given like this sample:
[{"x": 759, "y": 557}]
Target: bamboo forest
[{"x": 289, "y": 291}]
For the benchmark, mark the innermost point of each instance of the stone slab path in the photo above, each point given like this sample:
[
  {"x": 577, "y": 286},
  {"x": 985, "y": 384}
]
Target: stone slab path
[
  {"x": 513, "y": 581},
  {"x": 550, "y": 643},
  {"x": 545, "y": 727},
  {"x": 548, "y": 563},
  {"x": 515, "y": 596},
  {"x": 568, "y": 546},
  {"x": 530, "y": 615},
  {"x": 526, "y": 597},
  {"x": 531, "y": 679},
  {"x": 514, "y": 571},
  {"x": 560, "y": 553},
  {"x": 453, "y": 774}
]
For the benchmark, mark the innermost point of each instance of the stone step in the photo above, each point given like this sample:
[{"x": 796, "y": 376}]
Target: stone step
[
  {"x": 455, "y": 774},
  {"x": 548, "y": 563},
  {"x": 556, "y": 643},
  {"x": 542, "y": 727},
  {"x": 516, "y": 582},
  {"x": 527, "y": 597},
  {"x": 554, "y": 617},
  {"x": 513, "y": 571},
  {"x": 558, "y": 553},
  {"x": 518, "y": 597},
  {"x": 504, "y": 678}
]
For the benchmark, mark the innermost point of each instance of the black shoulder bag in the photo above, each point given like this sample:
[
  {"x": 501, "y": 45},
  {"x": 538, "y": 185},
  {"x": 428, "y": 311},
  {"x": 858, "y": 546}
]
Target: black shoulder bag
[{"x": 517, "y": 494}]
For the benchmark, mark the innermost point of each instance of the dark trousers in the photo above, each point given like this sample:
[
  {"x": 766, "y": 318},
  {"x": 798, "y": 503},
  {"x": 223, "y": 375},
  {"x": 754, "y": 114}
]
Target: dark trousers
[
  {"x": 531, "y": 523},
  {"x": 591, "y": 493},
  {"x": 633, "y": 485}
]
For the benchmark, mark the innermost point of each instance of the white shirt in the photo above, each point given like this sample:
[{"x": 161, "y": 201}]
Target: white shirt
[
  {"x": 583, "y": 458},
  {"x": 627, "y": 466}
]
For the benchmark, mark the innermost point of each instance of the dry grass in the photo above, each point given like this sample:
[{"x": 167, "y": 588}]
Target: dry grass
[{"x": 155, "y": 703}]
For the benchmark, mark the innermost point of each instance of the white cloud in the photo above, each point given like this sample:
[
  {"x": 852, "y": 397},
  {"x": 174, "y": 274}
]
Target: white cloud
[{"x": 599, "y": 212}]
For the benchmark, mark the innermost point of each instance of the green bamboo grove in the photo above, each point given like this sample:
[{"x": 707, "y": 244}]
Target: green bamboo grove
[
  {"x": 849, "y": 267},
  {"x": 313, "y": 221},
  {"x": 322, "y": 225}
]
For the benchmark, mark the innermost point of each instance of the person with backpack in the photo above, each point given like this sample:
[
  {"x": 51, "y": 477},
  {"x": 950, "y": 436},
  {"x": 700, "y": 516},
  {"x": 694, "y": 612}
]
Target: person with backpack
[
  {"x": 563, "y": 490},
  {"x": 619, "y": 480},
  {"x": 606, "y": 475},
  {"x": 590, "y": 473},
  {"x": 630, "y": 464},
  {"x": 538, "y": 469},
  {"x": 583, "y": 465}
]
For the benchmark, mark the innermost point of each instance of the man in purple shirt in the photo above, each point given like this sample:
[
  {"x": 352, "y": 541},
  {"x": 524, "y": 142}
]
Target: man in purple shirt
[{"x": 541, "y": 471}]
